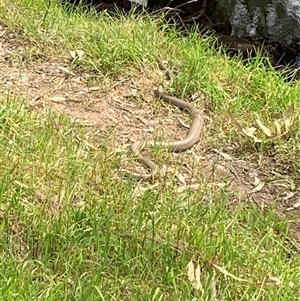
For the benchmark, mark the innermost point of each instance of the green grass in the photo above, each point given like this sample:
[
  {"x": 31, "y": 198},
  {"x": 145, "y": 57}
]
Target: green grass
[{"x": 71, "y": 229}]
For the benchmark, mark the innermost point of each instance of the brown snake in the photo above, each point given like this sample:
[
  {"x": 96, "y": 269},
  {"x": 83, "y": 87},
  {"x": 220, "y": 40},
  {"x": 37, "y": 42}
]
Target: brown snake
[{"x": 176, "y": 146}]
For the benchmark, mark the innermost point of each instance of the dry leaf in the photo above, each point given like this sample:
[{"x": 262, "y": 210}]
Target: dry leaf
[
  {"x": 288, "y": 117},
  {"x": 264, "y": 128},
  {"x": 273, "y": 281},
  {"x": 194, "y": 276},
  {"x": 213, "y": 286},
  {"x": 278, "y": 127},
  {"x": 250, "y": 133},
  {"x": 94, "y": 88},
  {"x": 181, "y": 178},
  {"x": 288, "y": 196},
  {"x": 73, "y": 54},
  {"x": 134, "y": 92},
  {"x": 20, "y": 184},
  {"x": 295, "y": 206},
  {"x": 143, "y": 120},
  {"x": 58, "y": 99},
  {"x": 36, "y": 104},
  {"x": 256, "y": 181},
  {"x": 66, "y": 70},
  {"x": 87, "y": 144},
  {"x": 198, "y": 280},
  {"x": 76, "y": 54},
  {"x": 192, "y": 187},
  {"x": 140, "y": 190},
  {"x": 126, "y": 118},
  {"x": 191, "y": 270},
  {"x": 185, "y": 125},
  {"x": 235, "y": 122},
  {"x": 80, "y": 53},
  {"x": 226, "y": 273},
  {"x": 258, "y": 187},
  {"x": 224, "y": 155},
  {"x": 164, "y": 169},
  {"x": 36, "y": 98},
  {"x": 221, "y": 185}
]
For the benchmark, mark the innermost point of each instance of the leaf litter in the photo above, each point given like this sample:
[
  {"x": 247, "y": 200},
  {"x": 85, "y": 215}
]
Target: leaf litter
[{"x": 285, "y": 122}]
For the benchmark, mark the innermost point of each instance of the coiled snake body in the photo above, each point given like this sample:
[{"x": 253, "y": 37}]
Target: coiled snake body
[{"x": 176, "y": 146}]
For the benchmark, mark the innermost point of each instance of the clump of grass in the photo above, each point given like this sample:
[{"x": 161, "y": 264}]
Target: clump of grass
[
  {"x": 73, "y": 229},
  {"x": 70, "y": 231}
]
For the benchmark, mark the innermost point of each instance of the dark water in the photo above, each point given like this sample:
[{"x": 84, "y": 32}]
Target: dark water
[
  {"x": 141, "y": 2},
  {"x": 278, "y": 20}
]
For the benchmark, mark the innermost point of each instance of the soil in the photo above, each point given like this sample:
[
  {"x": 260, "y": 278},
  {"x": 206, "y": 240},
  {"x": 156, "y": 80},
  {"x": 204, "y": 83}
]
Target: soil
[{"x": 127, "y": 110}]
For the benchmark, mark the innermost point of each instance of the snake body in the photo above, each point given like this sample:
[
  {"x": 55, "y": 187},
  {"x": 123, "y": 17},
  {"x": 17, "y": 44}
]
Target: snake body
[{"x": 176, "y": 146}]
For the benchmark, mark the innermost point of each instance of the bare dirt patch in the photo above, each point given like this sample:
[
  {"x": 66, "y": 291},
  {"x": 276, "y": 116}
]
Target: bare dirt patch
[{"x": 127, "y": 109}]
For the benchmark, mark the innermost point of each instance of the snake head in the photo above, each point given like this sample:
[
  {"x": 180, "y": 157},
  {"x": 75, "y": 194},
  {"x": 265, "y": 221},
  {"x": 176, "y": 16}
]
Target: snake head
[{"x": 160, "y": 91}]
